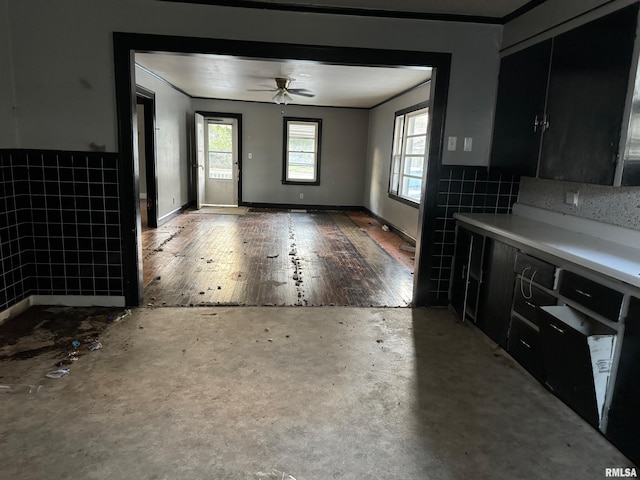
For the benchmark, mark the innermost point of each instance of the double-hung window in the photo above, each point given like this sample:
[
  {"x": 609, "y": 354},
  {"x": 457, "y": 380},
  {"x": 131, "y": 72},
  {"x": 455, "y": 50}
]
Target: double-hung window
[
  {"x": 302, "y": 139},
  {"x": 409, "y": 153}
]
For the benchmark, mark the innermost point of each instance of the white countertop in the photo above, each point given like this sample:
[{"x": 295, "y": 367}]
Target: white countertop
[{"x": 604, "y": 255}]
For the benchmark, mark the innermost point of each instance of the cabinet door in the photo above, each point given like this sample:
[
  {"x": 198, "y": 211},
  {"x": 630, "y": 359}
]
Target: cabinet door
[
  {"x": 521, "y": 95},
  {"x": 567, "y": 364},
  {"x": 623, "y": 428},
  {"x": 586, "y": 97},
  {"x": 460, "y": 272},
  {"x": 496, "y": 291}
]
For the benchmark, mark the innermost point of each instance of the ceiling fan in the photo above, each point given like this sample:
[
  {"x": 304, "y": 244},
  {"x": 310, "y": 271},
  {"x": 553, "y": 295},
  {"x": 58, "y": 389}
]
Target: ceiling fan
[{"x": 283, "y": 92}]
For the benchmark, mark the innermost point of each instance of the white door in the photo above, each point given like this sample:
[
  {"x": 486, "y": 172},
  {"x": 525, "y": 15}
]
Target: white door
[
  {"x": 200, "y": 161},
  {"x": 221, "y": 166}
]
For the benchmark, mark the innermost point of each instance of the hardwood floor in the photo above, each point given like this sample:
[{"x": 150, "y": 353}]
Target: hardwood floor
[{"x": 269, "y": 257}]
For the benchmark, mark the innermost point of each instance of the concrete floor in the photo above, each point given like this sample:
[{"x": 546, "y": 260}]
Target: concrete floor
[{"x": 304, "y": 393}]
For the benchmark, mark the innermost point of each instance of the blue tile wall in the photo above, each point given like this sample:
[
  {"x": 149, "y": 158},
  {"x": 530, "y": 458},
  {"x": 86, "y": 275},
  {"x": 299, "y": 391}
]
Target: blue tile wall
[
  {"x": 469, "y": 190},
  {"x": 59, "y": 224}
]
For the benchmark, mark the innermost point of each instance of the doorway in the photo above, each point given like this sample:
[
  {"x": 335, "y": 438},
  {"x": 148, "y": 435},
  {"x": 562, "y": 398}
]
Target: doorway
[
  {"x": 125, "y": 46},
  {"x": 146, "y": 149},
  {"x": 219, "y": 157}
]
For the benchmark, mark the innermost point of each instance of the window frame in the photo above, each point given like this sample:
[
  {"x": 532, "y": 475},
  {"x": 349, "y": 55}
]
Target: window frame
[
  {"x": 398, "y": 165},
  {"x": 285, "y": 150}
]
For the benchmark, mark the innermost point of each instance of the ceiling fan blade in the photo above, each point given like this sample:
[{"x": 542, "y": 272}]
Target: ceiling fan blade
[
  {"x": 262, "y": 89},
  {"x": 302, "y": 93}
]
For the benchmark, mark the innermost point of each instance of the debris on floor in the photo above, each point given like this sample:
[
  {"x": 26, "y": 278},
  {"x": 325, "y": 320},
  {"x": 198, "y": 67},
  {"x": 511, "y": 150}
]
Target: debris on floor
[
  {"x": 126, "y": 313},
  {"x": 17, "y": 389},
  {"x": 407, "y": 248},
  {"x": 385, "y": 228},
  {"x": 274, "y": 475},
  {"x": 58, "y": 373}
]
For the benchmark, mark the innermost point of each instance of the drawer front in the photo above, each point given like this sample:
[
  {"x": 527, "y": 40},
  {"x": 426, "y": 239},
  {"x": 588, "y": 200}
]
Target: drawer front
[
  {"x": 531, "y": 268},
  {"x": 592, "y": 295},
  {"x": 524, "y": 346},
  {"x": 527, "y": 299}
]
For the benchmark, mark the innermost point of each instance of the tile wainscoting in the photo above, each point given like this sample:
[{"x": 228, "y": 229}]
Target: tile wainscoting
[{"x": 60, "y": 232}]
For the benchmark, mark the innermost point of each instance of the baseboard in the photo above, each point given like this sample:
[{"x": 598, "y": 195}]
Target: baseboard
[
  {"x": 178, "y": 211},
  {"x": 62, "y": 300},
  {"x": 299, "y": 206},
  {"x": 15, "y": 310},
  {"x": 398, "y": 231},
  {"x": 79, "y": 300}
]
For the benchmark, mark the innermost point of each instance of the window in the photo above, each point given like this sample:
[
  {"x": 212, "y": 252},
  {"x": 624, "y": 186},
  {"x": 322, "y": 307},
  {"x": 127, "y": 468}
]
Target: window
[
  {"x": 409, "y": 154},
  {"x": 301, "y": 163},
  {"x": 220, "y": 151}
]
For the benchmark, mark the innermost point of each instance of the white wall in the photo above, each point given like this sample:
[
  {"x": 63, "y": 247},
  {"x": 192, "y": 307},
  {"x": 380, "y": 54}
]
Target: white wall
[
  {"x": 343, "y": 152},
  {"x": 173, "y": 113},
  {"x": 376, "y": 197},
  {"x": 64, "y": 61}
]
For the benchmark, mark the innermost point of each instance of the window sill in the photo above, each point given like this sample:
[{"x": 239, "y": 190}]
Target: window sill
[
  {"x": 292, "y": 182},
  {"x": 406, "y": 201}
]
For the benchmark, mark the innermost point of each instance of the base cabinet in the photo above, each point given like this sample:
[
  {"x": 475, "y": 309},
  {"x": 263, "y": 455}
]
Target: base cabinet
[
  {"x": 577, "y": 353},
  {"x": 623, "y": 428},
  {"x": 496, "y": 294}
]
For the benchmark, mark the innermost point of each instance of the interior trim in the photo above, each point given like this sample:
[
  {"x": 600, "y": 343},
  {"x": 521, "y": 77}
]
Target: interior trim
[
  {"x": 126, "y": 44},
  {"x": 361, "y": 12}
]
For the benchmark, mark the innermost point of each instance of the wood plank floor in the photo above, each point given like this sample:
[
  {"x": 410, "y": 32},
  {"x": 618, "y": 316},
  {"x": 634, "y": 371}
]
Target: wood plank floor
[{"x": 269, "y": 257}]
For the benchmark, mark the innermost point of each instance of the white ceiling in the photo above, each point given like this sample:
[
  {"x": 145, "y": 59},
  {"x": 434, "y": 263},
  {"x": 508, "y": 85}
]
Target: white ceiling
[{"x": 232, "y": 78}]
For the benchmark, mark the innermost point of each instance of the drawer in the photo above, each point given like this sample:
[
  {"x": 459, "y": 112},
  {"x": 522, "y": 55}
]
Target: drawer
[
  {"x": 534, "y": 269},
  {"x": 524, "y": 346},
  {"x": 527, "y": 299},
  {"x": 592, "y": 295}
]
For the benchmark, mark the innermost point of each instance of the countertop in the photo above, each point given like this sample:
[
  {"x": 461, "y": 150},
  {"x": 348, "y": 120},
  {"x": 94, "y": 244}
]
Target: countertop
[{"x": 604, "y": 255}]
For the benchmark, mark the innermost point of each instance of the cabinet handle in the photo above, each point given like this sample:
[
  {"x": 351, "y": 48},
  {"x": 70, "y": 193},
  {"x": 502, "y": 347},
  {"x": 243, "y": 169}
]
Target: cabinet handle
[
  {"x": 581, "y": 292},
  {"x": 525, "y": 343},
  {"x": 545, "y": 123},
  {"x": 536, "y": 124},
  {"x": 558, "y": 329},
  {"x": 530, "y": 304}
]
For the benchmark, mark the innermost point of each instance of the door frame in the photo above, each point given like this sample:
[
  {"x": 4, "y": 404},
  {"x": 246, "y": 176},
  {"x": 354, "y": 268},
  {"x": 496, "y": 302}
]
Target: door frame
[
  {"x": 238, "y": 118},
  {"x": 126, "y": 44},
  {"x": 147, "y": 99}
]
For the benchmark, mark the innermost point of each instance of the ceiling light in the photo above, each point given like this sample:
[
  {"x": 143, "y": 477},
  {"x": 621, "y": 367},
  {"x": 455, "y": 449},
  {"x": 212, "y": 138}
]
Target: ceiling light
[{"x": 281, "y": 96}]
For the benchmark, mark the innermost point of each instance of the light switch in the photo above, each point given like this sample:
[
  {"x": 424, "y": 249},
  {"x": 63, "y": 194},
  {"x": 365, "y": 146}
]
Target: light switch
[
  {"x": 250, "y": 155},
  {"x": 571, "y": 198},
  {"x": 468, "y": 142},
  {"x": 452, "y": 143}
]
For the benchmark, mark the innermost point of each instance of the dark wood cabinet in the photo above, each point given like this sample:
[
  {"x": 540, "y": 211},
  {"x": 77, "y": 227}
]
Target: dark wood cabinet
[
  {"x": 466, "y": 273},
  {"x": 561, "y": 103},
  {"x": 577, "y": 353},
  {"x": 623, "y": 428},
  {"x": 586, "y": 96},
  {"x": 496, "y": 295},
  {"x": 524, "y": 346},
  {"x": 522, "y": 87}
]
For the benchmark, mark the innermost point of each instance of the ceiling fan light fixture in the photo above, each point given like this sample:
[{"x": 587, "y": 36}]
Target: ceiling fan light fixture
[{"x": 281, "y": 96}]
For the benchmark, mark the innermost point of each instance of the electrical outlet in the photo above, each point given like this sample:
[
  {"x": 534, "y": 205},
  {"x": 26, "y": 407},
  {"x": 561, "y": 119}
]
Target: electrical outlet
[
  {"x": 452, "y": 144},
  {"x": 301, "y": 196},
  {"x": 468, "y": 142}
]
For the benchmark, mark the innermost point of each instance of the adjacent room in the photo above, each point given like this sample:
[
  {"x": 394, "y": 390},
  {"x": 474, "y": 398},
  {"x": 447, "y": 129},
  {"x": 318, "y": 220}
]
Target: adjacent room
[
  {"x": 279, "y": 172},
  {"x": 302, "y": 240}
]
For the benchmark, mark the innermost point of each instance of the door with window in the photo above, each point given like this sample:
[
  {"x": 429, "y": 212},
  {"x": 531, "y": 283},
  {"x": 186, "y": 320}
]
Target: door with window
[{"x": 221, "y": 162}]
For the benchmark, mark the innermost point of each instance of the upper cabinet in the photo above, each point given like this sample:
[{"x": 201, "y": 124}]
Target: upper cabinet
[{"x": 560, "y": 110}]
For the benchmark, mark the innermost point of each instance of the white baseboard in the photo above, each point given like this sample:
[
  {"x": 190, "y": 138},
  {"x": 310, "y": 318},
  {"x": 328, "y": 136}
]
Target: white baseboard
[{"x": 63, "y": 300}]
